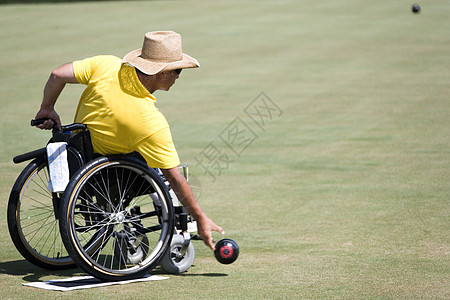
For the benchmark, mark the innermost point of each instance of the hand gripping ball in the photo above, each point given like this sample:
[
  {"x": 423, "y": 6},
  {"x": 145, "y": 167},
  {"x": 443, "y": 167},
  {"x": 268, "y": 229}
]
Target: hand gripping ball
[{"x": 227, "y": 251}]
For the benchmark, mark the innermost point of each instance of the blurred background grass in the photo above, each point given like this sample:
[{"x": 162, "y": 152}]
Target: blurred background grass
[{"x": 345, "y": 195}]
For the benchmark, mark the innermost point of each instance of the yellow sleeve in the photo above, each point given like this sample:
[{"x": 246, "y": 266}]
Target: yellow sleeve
[{"x": 85, "y": 69}]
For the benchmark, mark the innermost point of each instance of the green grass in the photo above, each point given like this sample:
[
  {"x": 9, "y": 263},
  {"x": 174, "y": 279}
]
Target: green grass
[{"x": 343, "y": 196}]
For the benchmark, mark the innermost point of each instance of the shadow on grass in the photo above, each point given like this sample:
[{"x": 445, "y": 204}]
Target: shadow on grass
[
  {"x": 205, "y": 275},
  {"x": 159, "y": 271},
  {"x": 33, "y": 273}
]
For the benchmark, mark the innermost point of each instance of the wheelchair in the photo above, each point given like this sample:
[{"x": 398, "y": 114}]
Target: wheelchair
[{"x": 117, "y": 219}]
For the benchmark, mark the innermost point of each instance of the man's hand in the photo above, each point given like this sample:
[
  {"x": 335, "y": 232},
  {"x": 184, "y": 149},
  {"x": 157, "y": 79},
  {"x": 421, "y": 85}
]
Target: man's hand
[
  {"x": 48, "y": 114},
  {"x": 205, "y": 226}
]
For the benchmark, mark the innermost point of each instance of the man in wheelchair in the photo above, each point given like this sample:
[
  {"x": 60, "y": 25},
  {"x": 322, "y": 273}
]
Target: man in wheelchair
[{"x": 119, "y": 109}]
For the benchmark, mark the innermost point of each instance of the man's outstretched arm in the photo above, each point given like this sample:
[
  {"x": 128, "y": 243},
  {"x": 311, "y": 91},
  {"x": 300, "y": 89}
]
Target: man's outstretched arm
[
  {"x": 55, "y": 84},
  {"x": 205, "y": 226}
]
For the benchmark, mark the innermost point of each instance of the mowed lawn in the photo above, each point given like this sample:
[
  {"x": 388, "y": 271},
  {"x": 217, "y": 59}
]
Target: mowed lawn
[{"x": 317, "y": 134}]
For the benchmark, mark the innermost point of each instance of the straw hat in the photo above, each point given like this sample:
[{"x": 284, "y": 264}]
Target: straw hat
[{"x": 161, "y": 51}]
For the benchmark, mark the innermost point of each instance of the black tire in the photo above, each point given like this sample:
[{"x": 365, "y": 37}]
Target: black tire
[
  {"x": 106, "y": 207},
  {"x": 173, "y": 264},
  {"x": 32, "y": 225}
]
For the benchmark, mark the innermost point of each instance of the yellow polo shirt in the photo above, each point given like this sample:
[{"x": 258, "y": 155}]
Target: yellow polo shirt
[{"x": 121, "y": 114}]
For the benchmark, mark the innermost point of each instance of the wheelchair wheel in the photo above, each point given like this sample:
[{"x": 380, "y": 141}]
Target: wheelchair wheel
[
  {"x": 32, "y": 224},
  {"x": 110, "y": 225},
  {"x": 172, "y": 262}
]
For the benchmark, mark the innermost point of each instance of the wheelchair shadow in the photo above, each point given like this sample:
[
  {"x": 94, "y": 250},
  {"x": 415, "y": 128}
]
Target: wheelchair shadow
[{"x": 32, "y": 273}]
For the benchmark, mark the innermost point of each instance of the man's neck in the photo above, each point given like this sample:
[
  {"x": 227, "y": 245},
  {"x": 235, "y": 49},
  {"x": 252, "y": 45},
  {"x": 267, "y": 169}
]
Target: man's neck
[{"x": 148, "y": 81}]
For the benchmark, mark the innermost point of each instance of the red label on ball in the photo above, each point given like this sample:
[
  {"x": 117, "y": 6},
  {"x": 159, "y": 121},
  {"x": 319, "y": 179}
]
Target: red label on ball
[{"x": 226, "y": 252}]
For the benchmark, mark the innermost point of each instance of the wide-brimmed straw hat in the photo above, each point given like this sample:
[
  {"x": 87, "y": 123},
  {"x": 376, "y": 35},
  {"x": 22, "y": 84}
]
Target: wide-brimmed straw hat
[{"x": 161, "y": 51}]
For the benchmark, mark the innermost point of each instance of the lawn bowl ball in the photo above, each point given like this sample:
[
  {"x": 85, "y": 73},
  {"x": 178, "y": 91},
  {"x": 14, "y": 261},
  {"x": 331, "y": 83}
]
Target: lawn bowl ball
[
  {"x": 415, "y": 8},
  {"x": 227, "y": 251}
]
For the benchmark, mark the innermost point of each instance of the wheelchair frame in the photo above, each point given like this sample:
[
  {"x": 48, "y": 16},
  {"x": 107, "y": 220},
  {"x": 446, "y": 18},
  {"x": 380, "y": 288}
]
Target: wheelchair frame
[{"x": 115, "y": 218}]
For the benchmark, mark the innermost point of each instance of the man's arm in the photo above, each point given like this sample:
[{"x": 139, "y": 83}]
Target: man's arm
[
  {"x": 184, "y": 193},
  {"x": 55, "y": 84}
]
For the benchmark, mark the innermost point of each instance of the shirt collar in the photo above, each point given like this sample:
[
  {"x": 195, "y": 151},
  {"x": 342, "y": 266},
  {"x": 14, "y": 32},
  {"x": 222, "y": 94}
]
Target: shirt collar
[{"x": 130, "y": 83}]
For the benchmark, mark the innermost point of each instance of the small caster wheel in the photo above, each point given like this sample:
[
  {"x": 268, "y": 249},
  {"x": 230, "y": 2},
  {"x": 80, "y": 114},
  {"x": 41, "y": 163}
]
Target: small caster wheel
[
  {"x": 130, "y": 249},
  {"x": 173, "y": 262}
]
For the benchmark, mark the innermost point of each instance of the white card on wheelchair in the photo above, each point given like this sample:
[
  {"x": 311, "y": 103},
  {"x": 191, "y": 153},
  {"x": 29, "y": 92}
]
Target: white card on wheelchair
[{"x": 58, "y": 167}]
